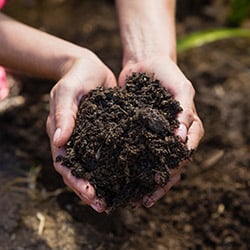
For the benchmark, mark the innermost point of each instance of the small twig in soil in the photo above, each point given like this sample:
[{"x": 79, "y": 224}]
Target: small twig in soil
[{"x": 41, "y": 219}]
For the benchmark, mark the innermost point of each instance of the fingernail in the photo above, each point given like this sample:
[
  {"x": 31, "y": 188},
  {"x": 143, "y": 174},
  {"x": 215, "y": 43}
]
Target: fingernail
[
  {"x": 97, "y": 206},
  {"x": 57, "y": 135},
  {"x": 94, "y": 206},
  {"x": 182, "y": 132},
  {"x": 148, "y": 202}
]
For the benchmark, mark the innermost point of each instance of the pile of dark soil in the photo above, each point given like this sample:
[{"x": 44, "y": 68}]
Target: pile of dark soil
[{"x": 124, "y": 141}]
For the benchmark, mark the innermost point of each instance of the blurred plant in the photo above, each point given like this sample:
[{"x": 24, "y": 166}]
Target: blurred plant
[
  {"x": 200, "y": 38},
  {"x": 239, "y": 10}
]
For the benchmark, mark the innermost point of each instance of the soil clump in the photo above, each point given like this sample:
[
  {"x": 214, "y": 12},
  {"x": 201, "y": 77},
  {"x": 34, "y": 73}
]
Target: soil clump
[{"x": 124, "y": 142}]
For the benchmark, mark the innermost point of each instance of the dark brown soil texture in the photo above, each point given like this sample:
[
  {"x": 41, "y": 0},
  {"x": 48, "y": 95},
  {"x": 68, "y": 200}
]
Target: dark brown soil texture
[
  {"x": 124, "y": 141},
  {"x": 207, "y": 210}
]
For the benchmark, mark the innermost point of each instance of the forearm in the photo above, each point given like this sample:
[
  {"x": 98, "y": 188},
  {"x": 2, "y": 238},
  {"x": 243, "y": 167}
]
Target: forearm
[
  {"x": 32, "y": 51},
  {"x": 147, "y": 28}
]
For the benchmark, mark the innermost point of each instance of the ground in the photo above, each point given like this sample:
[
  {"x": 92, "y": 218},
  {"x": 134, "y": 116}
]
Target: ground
[{"x": 208, "y": 209}]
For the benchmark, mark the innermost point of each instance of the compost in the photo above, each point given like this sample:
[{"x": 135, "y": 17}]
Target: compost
[{"x": 124, "y": 140}]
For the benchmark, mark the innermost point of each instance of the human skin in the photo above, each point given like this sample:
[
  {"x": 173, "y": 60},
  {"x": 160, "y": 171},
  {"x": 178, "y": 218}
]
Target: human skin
[
  {"x": 149, "y": 45},
  {"x": 76, "y": 71}
]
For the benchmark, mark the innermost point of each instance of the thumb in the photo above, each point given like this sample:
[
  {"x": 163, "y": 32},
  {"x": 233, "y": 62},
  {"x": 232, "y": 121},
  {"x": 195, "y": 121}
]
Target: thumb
[
  {"x": 63, "y": 109},
  {"x": 185, "y": 118}
]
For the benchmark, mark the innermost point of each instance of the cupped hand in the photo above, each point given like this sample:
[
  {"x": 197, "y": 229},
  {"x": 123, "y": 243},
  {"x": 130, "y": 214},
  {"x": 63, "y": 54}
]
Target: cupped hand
[
  {"x": 80, "y": 76},
  {"x": 190, "y": 129}
]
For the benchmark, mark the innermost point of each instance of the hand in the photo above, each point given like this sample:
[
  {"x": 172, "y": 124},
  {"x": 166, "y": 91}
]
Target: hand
[
  {"x": 80, "y": 76},
  {"x": 171, "y": 77}
]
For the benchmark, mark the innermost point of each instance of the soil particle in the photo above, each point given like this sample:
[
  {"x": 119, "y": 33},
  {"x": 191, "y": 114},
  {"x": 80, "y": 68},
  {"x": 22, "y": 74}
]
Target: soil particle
[{"x": 124, "y": 142}]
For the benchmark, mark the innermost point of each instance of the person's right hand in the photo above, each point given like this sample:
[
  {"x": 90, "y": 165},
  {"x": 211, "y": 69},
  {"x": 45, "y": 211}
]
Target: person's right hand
[
  {"x": 81, "y": 75},
  {"x": 190, "y": 129},
  {"x": 76, "y": 71}
]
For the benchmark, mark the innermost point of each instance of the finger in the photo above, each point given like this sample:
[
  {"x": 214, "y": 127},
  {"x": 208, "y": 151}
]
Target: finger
[
  {"x": 50, "y": 127},
  {"x": 185, "y": 96},
  {"x": 99, "y": 206},
  {"x": 195, "y": 133},
  {"x": 172, "y": 172},
  {"x": 185, "y": 118},
  {"x": 183, "y": 91},
  {"x": 110, "y": 82},
  {"x": 178, "y": 170},
  {"x": 64, "y": 104},
  {"x": 66, "y": 96},
  {"x": 181, "y": 131},
  {"x": 85, "y": 191},
  {"x": 81, "y": 187},
  {"x": 149, "y": 201}
]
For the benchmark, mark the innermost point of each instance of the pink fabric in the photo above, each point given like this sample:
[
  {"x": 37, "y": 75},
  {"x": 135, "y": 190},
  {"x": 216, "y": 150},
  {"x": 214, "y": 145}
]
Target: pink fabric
[
  {"x": 4, "y": 87},
  {"x": 2, "y": 3}
]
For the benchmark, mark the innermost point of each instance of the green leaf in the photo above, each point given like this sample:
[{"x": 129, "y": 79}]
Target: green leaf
[{"x": 198, "y": 39}]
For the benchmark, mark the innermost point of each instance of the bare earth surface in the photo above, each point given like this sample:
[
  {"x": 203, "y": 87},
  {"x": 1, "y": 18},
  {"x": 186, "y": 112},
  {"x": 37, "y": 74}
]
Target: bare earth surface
[{"x": 208, "y": 209}]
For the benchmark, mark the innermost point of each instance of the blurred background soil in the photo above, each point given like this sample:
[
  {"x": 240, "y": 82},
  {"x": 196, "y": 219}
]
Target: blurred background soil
[{"x": 208, "y": 209}]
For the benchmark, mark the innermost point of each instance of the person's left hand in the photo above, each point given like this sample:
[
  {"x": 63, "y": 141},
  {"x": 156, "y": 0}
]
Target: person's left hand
[
  {"x": 191, "y": 128},
  {"x": 83, "y": 75}
]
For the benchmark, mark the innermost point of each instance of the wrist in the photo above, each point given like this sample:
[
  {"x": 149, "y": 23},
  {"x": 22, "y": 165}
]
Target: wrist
[
  {"x": 150, "y": 53},
  {"x": 71, "y": 57},
  {"x": 147, "y": 30}
]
